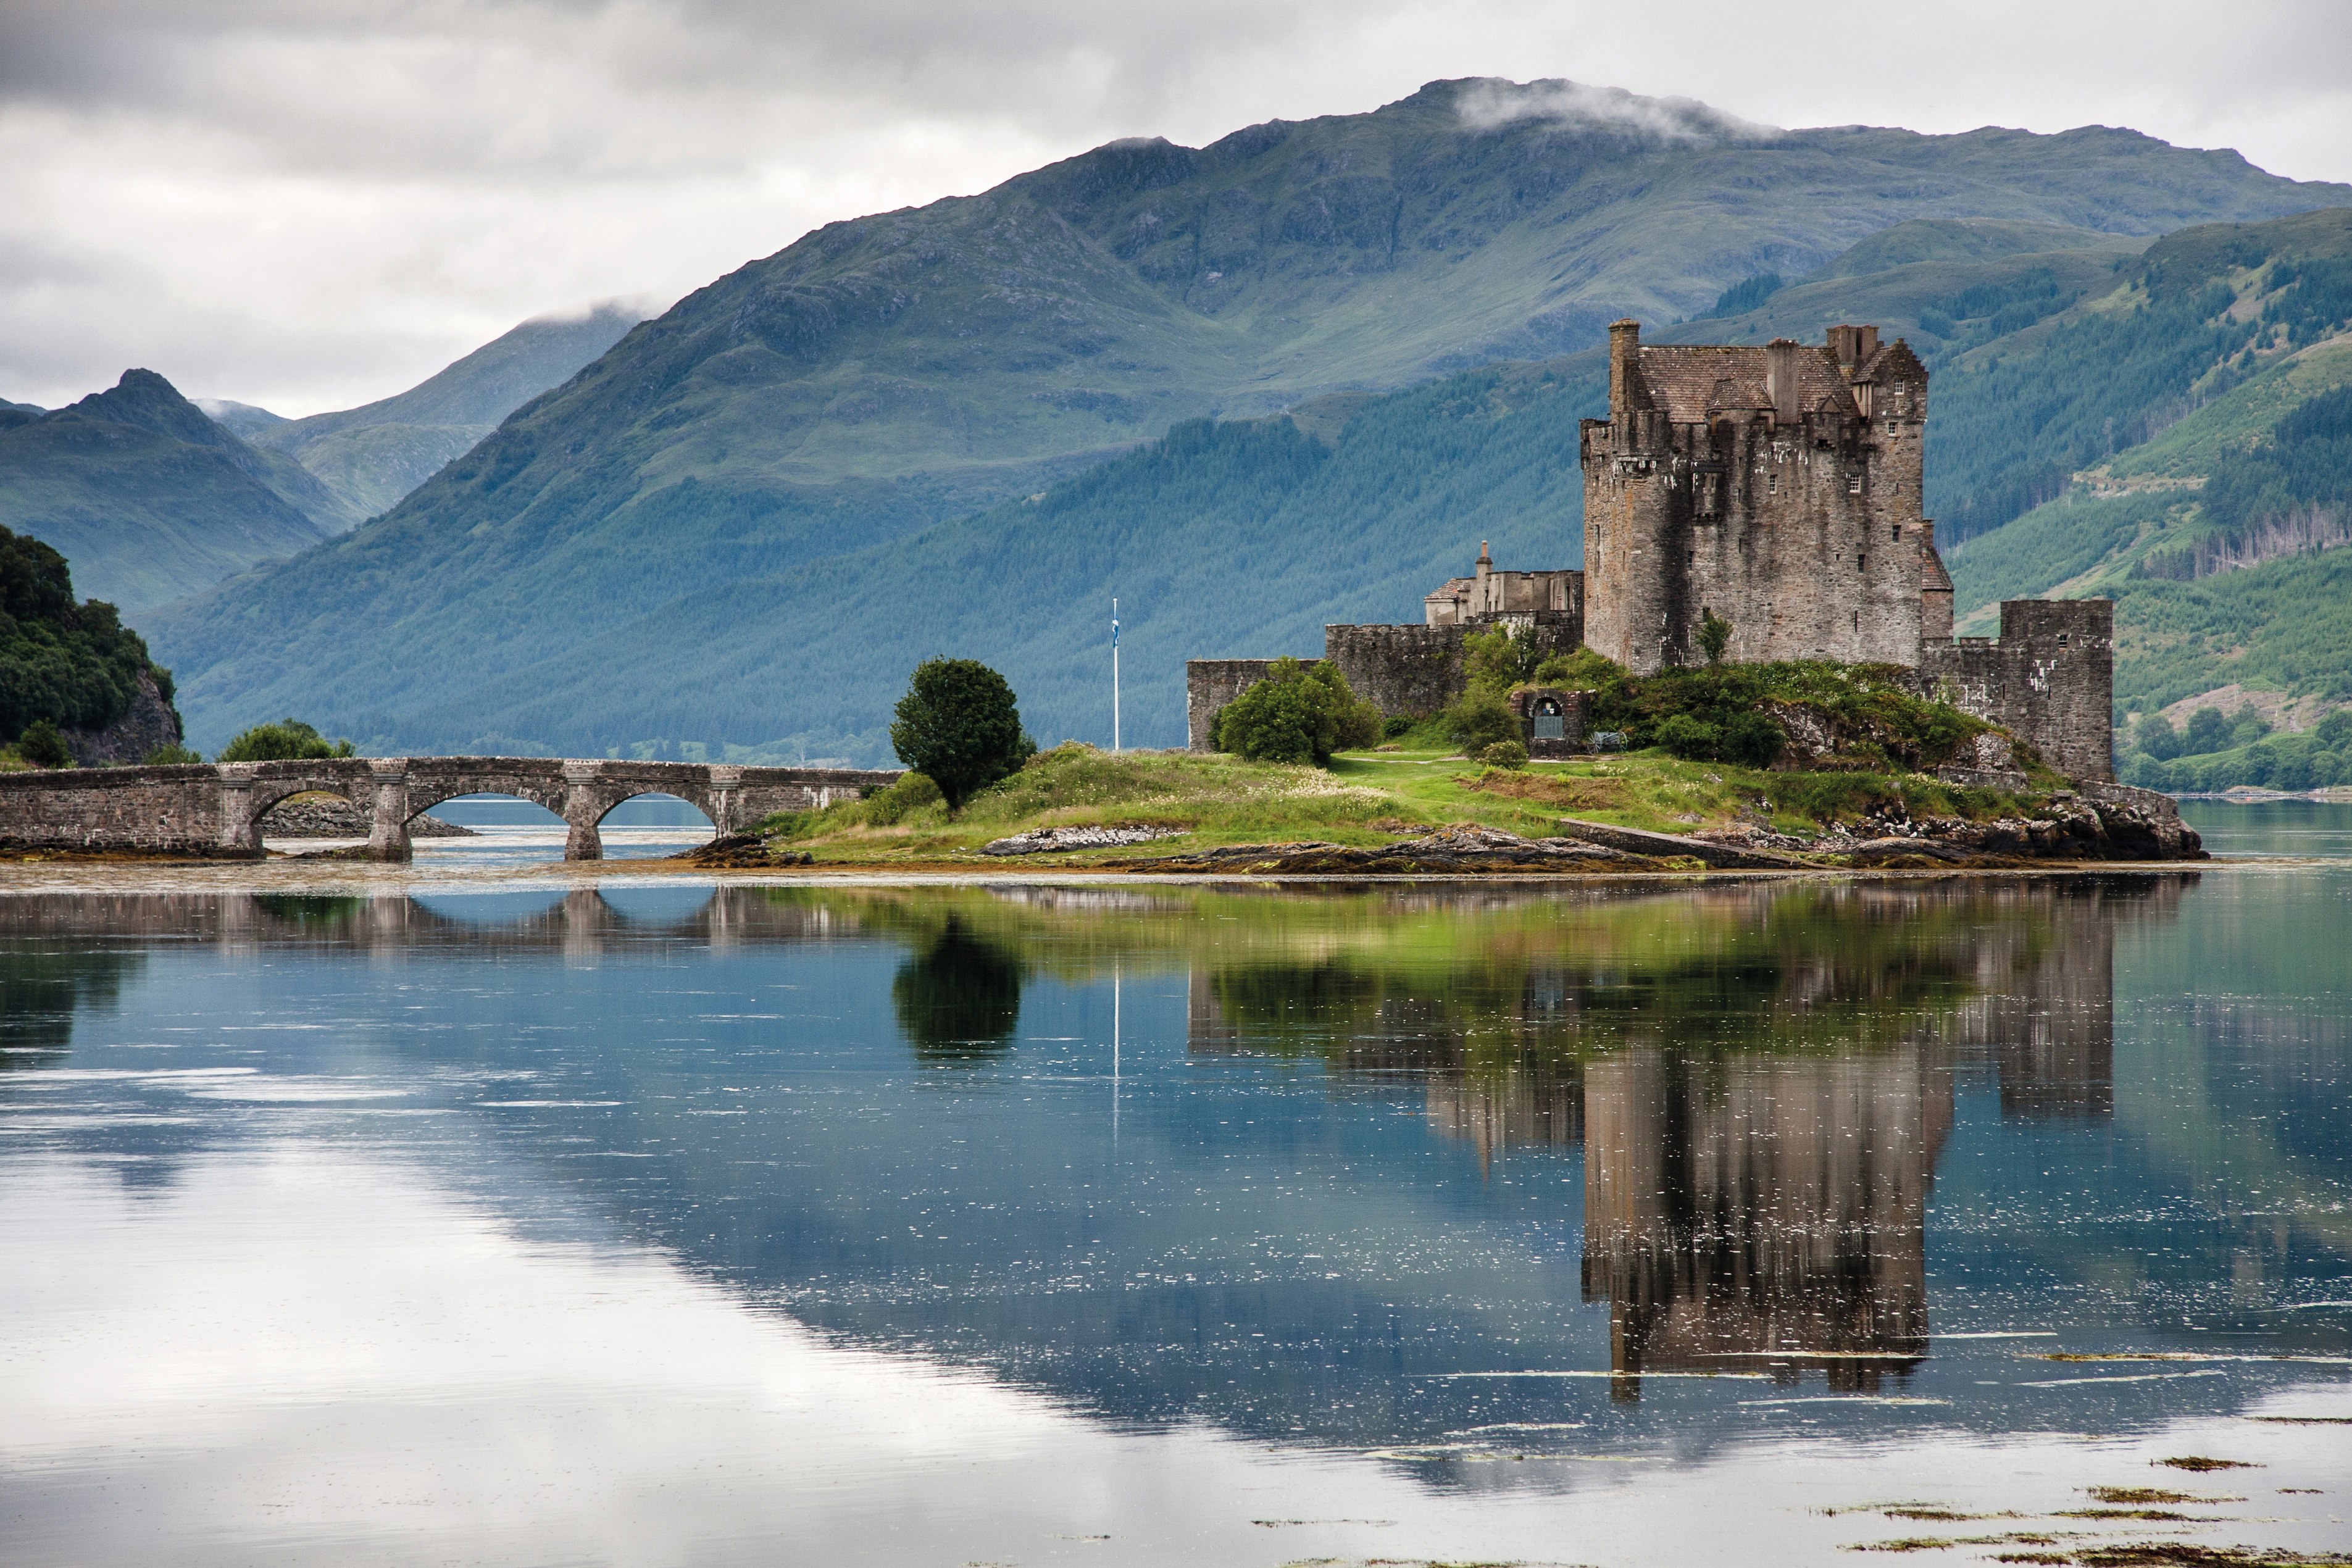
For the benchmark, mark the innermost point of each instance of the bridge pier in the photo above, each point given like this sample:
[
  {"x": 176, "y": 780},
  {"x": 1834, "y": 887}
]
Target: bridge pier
[
  {"x": 584, "y": 806},
  {"x": 725, "y": 781},
  {"x": 240, "y": 830},
  {"x": 388, "y": 827}
]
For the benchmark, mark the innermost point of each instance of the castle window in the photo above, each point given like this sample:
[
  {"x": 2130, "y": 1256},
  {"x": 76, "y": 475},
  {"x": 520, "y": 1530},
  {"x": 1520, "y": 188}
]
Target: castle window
[
  {"x": 2062, "y": 639},
  {"x": 1862, "y": 563},
  {"x": 1896, "y": 533},
  {"x": 1853, "y": 485}
]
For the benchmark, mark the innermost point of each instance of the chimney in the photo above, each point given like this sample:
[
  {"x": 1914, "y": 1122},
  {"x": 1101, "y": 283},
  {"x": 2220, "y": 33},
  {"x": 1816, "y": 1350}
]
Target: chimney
[
  {"x": 1624, "y": 347},
  {"x": 1781, "y": 379},
  {"x": 1852, "y": 345}
]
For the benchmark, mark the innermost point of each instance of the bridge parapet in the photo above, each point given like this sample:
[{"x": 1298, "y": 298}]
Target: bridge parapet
[{"x": 217, "y": 810}]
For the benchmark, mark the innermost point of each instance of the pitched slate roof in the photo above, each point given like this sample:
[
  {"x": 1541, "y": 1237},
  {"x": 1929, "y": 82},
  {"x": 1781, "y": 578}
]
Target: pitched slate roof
[{"x": 1691, "y": 381}]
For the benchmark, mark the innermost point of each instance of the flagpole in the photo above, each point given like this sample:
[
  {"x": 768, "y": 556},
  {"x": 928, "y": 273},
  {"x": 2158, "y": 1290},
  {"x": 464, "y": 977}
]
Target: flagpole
[{"x": 1114, "y": 677}]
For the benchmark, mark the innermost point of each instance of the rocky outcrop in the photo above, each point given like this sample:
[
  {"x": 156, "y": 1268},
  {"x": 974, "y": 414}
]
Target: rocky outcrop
[
  {"x": 2103, "y": 822},
  {"x": 151, "y": 722},
  {"x": 1055, "y": 840},
  {"x": 332, "y": 817},
  {"x": 1449, "y": 850}
]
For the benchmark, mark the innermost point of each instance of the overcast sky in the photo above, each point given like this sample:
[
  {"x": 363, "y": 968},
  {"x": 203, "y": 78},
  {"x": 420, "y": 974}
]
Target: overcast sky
[{"x": 310, "y": 204}]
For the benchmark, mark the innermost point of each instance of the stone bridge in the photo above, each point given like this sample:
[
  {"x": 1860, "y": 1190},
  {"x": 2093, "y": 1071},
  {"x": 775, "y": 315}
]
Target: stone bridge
[{"x": 216, "y": 809}]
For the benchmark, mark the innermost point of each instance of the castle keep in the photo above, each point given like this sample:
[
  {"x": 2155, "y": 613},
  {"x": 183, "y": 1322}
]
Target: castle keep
[{"x": 1778, "y": 490}]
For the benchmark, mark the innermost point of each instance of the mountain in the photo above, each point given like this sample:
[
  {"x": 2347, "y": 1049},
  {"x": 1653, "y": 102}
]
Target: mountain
[
  {"x": 373, "y": 455},
  {"x": 148, "y": 498},
  {"x": 242, "y": 420},
  {"x": 897, "y": 373}
]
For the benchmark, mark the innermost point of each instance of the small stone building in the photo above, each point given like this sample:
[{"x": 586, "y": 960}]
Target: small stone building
[
  {"x": 1552, "y": 720},
  {"x": 1518, "y": 599}
]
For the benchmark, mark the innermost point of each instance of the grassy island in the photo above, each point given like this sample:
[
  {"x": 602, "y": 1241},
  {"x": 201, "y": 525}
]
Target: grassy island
[{"x": 1370, "y": 798}]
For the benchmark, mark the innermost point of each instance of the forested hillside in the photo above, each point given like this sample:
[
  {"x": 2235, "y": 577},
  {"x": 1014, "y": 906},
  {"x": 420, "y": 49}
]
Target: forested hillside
[
  {"x": 2212, "y": 479},
  {"x": 884, "y": 376},
  {"x": 73, "y": 665}
]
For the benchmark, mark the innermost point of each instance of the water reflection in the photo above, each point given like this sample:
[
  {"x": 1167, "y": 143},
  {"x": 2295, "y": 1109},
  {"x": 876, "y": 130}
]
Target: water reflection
[
  {"x": 959, "y": 998},
  {"x": 1429, "y": 1172}
]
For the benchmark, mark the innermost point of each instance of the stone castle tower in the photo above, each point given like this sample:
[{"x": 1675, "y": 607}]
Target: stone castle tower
[{"x": 1777, "y": 488}]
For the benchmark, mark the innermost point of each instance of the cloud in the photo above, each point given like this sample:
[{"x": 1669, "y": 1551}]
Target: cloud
[
  {"x": 310, "y": 204},
  {"x": 1485, "y": 105}
]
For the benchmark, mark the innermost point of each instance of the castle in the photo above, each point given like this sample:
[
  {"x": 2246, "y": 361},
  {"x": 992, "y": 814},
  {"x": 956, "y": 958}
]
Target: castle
[{"x": 1778, "y": 489}]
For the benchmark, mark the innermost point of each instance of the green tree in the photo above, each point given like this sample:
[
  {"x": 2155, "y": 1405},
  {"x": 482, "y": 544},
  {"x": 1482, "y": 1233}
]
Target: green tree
[
  {"x": 960, "y": 725},
  {"x": 1297, "y": 713},
  {"x": 42, "y": 746},
  {"x": 287, "y": 741},
  {"x": 1496, "y": 661},
  {"x": 1713, "y": 635},
  {"x": 2209, "y": 730},
  {"x": 2156, "y": 737},
  {"x": 74, "y": 665}
]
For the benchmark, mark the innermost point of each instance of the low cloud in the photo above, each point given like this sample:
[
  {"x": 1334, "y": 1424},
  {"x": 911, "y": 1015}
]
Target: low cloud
[{"x": 1485, "y": 105}]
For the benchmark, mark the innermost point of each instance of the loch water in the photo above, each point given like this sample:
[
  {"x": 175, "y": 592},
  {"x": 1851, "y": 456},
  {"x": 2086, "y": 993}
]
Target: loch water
[{"x": 634, "y": 1221}]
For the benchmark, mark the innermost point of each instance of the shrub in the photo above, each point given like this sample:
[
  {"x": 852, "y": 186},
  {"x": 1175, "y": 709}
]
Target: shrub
[
  {"x": 1395, "y": 724},
  {"x": 1713, "y": 635},
  {"x": 1504, "y": 755},
  {"x": 1480, "y": 718},
  {"x": 909, "y": 793},
  {"x": 960, "y": 725},
  {"x": 289, "y": 740},
  {"x": 1688, "y": 737},
  {"x": 1297, "y": 713},
  {"x": 42, "y": 746},
  {"x": 166, "y": 756}
]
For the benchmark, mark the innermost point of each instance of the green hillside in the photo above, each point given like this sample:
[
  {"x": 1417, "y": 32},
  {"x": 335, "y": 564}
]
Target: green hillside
[
  {"x": 2208, "y": 493},
  {"x": 373, "y": 455},
  {"x": 898, "y": 373},
  {"x": 148, "y": 498},
  {"x": 1227, "y": 538}
]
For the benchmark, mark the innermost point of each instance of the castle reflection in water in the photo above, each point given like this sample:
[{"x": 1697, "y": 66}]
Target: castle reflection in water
[
  {"x": 1761, "y": 1126},
  {"x": 1760, "y": 1077}
]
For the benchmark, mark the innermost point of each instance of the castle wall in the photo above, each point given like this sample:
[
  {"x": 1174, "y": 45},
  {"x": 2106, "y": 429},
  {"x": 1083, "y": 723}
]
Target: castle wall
[
  {"x": 1209, "y": 685},
  {"x": 2049, "y": 681},
  {"x": 1414, "y": 671},
  {"x": 1411, "y": 670}
]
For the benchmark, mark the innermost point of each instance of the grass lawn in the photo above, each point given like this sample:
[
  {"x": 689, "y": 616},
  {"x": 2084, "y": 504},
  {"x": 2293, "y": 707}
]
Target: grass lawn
[{"x": 1363, "y": 798}]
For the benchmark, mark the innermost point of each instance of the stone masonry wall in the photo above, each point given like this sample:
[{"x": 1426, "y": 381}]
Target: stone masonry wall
[
  {"x": 1209, "y": 685},
  {"x": 1413, "y": 671},
  {"x": 1410, "y": 670},
  {"x": 2049, "y": 681}
]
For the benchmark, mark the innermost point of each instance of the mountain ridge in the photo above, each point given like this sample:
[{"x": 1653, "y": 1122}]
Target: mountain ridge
[{"x": 910, "y": 370}]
